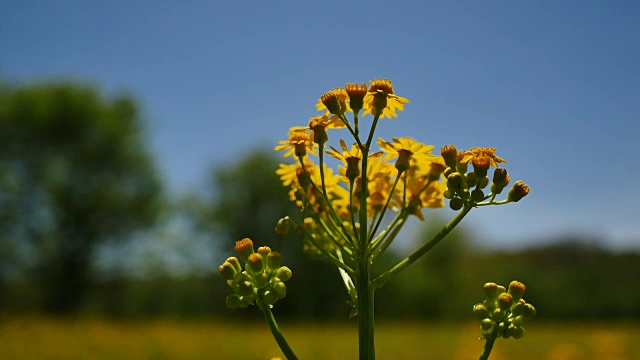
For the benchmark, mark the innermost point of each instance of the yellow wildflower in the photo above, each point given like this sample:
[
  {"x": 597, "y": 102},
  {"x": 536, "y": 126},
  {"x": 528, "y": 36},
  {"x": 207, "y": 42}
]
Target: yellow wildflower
[
  {"x": 356, "y": 96},
  {"x": 334, "y": 101},
  {"x": 381, "y": 100},
  {"x": 482, "y": 157},
  {"x": 300, "y": 141},
  {"x": 405, "y": 149}
]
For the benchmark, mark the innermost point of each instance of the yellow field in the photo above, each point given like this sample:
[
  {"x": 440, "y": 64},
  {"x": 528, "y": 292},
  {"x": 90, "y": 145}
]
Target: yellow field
[{"x": 37, "y": 338}]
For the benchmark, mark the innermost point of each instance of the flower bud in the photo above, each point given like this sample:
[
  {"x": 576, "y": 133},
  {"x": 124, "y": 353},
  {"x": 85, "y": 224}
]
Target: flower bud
[
  {"x": 517, "y": 320},
  {"x": 234, "y": 301},
  {"x": 255, "y": 262},
  {"x": 498, "y": 314},
  {"x": 274, "y": 260},
  {"x": 353, "y": 168},
  {"x": 519, "y": 333},
  {"x": 480, "y": 311},
  {"x": 227, "y": 270},
  {"x": 472, "y": 179},
  {"x": 448, "y": 194},
  {"x": 244, "y": 248},
  {"x": 477, "y": 195},
  {"x": 450, "y": 155},
  {"x": 269, "y": 297},
  {"x": 280, "y": 289},
  {"x": 505, "y": 301},
  {"x": 518, "y": 191},
  {"x": 487, "y": 326},
  {"x": 518, "y": 308},
  {"x": 261, "y": 280},
  {"x": 245, "y": 288},
  {"x": 403, "y": 162},
  {"x": 510, "y": 331},
  {"x": 529, "y": 311},
  {"x": 284, "y": 273},
  {"x": 500, "y": 176},
  {"x": 491, "y": 290},
  {"x": 455, "y": 182},
  {"x": 356, "y": 96},
  {"x": 283, "y": 226},
  {"x": 516, "y": 289},
  {"x": 456, "y": 204},
  {"x": 330, "y": 100}
]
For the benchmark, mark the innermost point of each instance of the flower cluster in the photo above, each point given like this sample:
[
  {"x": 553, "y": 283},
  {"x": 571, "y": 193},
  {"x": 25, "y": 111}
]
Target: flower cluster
[
  {"x": 503, "y": 312},
  {"x": 262, "y": 280},
  {"x": 469, "y": 187}
]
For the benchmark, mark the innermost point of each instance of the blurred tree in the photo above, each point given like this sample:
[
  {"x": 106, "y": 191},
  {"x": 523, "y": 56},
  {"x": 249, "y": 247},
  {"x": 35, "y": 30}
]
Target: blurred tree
[{"x": 74, "y": 172}]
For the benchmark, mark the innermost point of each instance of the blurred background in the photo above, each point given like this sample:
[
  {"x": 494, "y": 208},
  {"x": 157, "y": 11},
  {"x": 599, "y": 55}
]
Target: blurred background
[{"x": 136, "y": 146}]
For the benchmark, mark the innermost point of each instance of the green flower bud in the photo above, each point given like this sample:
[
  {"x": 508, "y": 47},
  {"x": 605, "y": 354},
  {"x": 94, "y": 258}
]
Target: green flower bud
[
  {"x": 236, "y": 264},
  {"x": 462, "y": 168},
  {"x": 480, "y": 311},
  {"x": 280, "y": 289},
  {"x": 455, "y": 182},
  {"x": 227, "y": 270},
  {"x": 487, "y": 326},
  {"x": 505, "y": 301},
  {"x": 518, "y": 191},
  {"x": 498, "y": 314},
  {"x": 484, "y": 182},
  {"x": 245, "y": 288},
  {"x": 491, "y": 290},
  {"x": 244, "y": 248},
  {"x": 529, "y": 311},
  {"x": 518, "y": 308},
  {"x": 284, "y": 273},
  {"x": 477, "y": 195},
  {"x": 255, "y": 262},
  {"x": 465, "y": 194},
  {"x": 269, "y": 297},
  {"x": 233, "y": 301},
  {"x": 501, "y": 289},
  {"x": 261, "y": 280},
  {"x": 519, "y": 333},
  {"x": 517, "y": 320},
  {"x": 353, "y": 168},
  {"x": 448, "y": 194},
  {"x": 490, "y": 304},
  {"x": 274, "y": 260},
  {"x": 510, "y": 331},
  {"x": 456, "y": 204},
  {"x": 283, "y": 226},
  {"x": 502, "y": 327},
  {"x": 472, "y": 179},
  {"x": 516, "y": 289},
  {"x": 448, "y": 171}
]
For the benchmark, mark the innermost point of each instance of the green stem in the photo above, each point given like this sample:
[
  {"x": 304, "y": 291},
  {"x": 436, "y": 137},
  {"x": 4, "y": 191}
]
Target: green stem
[
  {"x": 487, "y": 347},
  {"x": 386, "y": 205},
  {"x": 380, "y": 280},
  {"x": 365, "y": 309},
  {"x": 275, "y": 330}
]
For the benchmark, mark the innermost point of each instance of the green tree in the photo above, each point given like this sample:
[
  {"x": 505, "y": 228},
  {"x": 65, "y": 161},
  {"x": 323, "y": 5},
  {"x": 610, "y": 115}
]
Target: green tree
[{"x": 74, "y": 172}]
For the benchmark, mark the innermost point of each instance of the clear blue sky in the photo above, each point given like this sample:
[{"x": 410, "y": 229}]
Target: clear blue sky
[{"x": 553, "y": 85}]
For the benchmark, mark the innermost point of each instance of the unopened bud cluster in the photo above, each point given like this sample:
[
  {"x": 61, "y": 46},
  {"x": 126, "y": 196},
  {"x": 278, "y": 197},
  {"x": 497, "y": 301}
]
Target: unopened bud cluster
[
  {"x": 503, "y": 311},
  {"x": 262, "y": 280},
  {"x": 469, "y": 186}
]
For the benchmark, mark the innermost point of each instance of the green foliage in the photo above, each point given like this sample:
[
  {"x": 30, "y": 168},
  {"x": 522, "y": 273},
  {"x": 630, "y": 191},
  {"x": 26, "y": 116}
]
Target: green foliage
[{"x": 74, "y": 172}]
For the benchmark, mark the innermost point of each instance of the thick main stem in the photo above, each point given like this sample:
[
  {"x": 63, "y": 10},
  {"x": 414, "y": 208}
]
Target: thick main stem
[{"x": 365, "y": 310}]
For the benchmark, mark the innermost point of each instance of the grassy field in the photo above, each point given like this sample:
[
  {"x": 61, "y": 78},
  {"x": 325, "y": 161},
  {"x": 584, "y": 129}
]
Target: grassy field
[{"x": 38, "y": 338}]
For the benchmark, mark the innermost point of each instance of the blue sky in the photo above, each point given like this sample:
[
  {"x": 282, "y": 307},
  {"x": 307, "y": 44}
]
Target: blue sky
[{"x": 553, "y": 85}]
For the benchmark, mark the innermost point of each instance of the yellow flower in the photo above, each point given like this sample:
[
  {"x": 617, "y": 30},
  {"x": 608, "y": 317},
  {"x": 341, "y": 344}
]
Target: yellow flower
[
  {"x": 406, "y": 149},
  {"x": 421, "y": 189},
  {"x": 356, "y": 96},
  {"x": 335, "y": 101},
  {"x": 381, "y": 100},
  {"x": 482, "y": 157},
  {"x": 300, "y": 141}
]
